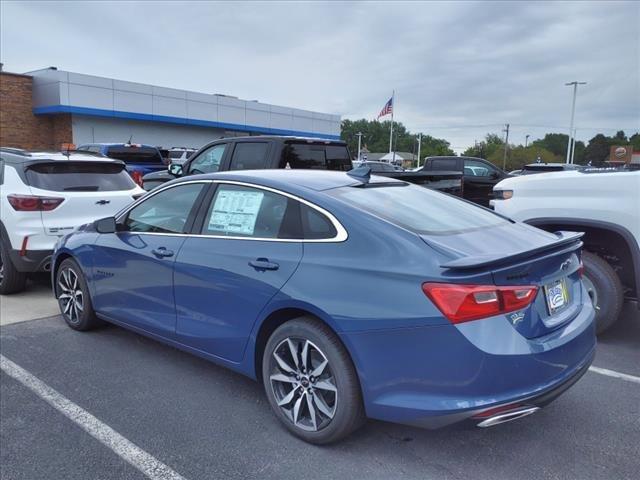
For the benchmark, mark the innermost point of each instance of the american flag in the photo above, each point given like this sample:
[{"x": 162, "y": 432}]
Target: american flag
[{"x": 388, "y": 108}]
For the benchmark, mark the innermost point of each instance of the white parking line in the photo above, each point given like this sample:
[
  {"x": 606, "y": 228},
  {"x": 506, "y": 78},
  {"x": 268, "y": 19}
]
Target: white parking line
[
  {"x": 614, "y": 374},
  {"x": 147, "y": 464}
]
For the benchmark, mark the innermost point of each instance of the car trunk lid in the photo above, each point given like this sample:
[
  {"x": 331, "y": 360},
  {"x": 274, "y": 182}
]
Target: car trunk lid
[{"x": 519, "y": 255}]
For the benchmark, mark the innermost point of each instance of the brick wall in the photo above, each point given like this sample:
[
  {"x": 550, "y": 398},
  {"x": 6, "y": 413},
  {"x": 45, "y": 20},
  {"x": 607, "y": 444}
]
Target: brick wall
[{"x": 19, "y": 127}]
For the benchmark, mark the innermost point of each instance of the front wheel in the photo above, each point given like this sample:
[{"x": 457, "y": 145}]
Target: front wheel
[
  {"x": 311, "y": 383},
  {"x": 604, "y": 289},
  {"x": 73, "y": 297}
]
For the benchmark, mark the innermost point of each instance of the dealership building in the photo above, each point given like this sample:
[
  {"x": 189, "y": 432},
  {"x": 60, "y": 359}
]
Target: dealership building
[{"x": 49, "y": 108}]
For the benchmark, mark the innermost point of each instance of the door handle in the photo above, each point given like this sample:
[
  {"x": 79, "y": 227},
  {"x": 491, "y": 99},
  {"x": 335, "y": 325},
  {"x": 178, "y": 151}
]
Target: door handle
[
  {"x": 262, "y": 264},
  {"x": 162, "y": 252}
]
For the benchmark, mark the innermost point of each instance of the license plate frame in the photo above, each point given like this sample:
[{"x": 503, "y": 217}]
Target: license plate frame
[{"x": 556, "y": 296}]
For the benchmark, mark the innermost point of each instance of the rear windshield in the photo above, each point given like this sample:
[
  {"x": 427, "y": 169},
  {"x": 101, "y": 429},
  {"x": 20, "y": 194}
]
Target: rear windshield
[
  {"x": 316, "y": 156},
  {"x": 419, "y": 209},
  {"x": 79, "y": 177},
  {"x": 135, "y": 154},
  {"x": 176, "y": 154}
]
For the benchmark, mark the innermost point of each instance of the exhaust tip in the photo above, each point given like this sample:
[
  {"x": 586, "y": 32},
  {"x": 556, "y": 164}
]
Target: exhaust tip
[{"x": 508, "y": 416}]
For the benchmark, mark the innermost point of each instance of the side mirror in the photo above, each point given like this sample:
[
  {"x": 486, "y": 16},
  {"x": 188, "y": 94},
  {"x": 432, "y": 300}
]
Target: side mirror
[
  {"x": 495, "y": 175},
  {"x": 175, "y": 169},
  {"x": 105, "y": 225}
]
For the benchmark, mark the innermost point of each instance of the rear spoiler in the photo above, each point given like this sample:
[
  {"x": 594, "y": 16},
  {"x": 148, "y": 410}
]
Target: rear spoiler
[{"x": 477, "y": 261}]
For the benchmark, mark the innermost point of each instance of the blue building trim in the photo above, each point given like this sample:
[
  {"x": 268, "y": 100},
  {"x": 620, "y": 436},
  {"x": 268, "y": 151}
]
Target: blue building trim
[{"x": 98, "y": 112}]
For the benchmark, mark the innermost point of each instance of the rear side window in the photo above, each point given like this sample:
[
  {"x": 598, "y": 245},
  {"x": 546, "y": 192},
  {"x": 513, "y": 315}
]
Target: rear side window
[
  {"x": 79, "y": 177},
  {"x": 315, "y": 225},
  {"x": 419, "y": 209},
  {"x": 316, "y": 156},
  {"x": 238, "y": 211},
  {"x": 444, "y": 164},
  {"x": 249, "y": 156},
  {"x": 135, "y": 154}
]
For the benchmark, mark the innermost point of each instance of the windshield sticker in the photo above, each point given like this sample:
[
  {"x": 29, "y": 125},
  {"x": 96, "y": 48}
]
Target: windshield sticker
[{"x": 235, "y": 212}]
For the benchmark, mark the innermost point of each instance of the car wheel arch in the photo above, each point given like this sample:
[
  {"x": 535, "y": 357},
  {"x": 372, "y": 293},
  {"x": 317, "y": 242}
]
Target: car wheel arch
[
  {"x": 272, "y": 321},
  {"x": 631, "y": 250}
]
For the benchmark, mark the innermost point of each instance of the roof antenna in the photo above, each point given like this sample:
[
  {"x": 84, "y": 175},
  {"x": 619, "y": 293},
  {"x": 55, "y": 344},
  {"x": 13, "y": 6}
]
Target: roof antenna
[{"x": 362, "y": 174}]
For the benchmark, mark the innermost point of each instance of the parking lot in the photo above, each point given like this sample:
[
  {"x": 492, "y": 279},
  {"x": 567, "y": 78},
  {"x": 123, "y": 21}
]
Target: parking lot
[{"x": 193, "y": 419}]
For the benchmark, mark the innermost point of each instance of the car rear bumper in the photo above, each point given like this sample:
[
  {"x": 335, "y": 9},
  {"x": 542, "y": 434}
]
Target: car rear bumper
[
  {"x": 32, "y": 260},
  {"x": 439, "y": 375}
]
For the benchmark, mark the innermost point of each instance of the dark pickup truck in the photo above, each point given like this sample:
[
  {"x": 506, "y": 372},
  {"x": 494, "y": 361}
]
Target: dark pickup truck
[
  {"x": 448, "y": 182},
  {"x": 266, "y": 152},
  {"x": 479, "y": 176}
]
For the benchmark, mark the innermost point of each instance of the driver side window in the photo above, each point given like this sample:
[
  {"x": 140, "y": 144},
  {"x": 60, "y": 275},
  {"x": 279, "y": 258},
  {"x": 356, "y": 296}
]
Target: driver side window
[
  {"x": 209, "y": 160},
  {"x": 164, "y": 212}
]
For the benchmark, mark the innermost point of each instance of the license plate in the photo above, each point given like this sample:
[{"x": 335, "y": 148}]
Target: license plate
[{"x": 557, "y": 295}]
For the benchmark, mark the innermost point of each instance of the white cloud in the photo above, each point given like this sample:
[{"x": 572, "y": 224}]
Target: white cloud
[{"x": 454, "y": 65}]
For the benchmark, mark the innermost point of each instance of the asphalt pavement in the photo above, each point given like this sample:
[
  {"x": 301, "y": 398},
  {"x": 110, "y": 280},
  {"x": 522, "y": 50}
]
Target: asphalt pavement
[{"x": 205, "y": 422}]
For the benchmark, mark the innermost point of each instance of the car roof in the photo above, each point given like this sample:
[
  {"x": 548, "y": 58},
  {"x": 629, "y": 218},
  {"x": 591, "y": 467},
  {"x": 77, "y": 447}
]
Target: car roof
[
  {"x": 291, "y": 179},
  {"x": 113, "y": 144}
]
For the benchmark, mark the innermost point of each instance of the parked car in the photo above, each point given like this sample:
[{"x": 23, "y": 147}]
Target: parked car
[
  {"x": 448, "y": 182},
  {"x": 342, "y": 294},
  {"x": 480, "y": 176},
  {"x": 139, "y": 159},
  {"x": 258, "y": 152},
  {"x": 549, "y": 167},
  {"x": 44, "y": 196},
  {"x": 180, "y": 155},
  {"x": 603, "y": 204}
]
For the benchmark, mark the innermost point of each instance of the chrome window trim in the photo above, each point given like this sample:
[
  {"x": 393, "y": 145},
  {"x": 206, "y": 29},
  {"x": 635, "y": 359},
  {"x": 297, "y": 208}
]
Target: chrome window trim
[{"x": 341, "y": 232}]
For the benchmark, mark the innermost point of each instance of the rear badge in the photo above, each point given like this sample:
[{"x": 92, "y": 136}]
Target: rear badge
[{"x": 516, "y": 318}]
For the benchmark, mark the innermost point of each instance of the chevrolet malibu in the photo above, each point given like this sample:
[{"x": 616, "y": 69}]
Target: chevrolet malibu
[{"x": 348, "y": 296}]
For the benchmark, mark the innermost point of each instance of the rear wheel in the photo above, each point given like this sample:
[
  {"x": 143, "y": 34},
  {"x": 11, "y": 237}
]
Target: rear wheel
[
  {"x": 311, "y": 383},
  {"x": 11, "y": 280},
  {"x": 604, "y": 288},
  {"x": 73, "y": 297}
]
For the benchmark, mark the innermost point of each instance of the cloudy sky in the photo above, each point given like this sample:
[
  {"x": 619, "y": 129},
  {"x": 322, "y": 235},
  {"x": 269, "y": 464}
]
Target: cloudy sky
[{"x": 459, "y": 69}]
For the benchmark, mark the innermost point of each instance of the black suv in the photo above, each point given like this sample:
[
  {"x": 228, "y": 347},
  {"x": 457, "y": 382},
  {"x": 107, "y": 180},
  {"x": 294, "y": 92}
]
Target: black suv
[{"x": 259, "y": 152}]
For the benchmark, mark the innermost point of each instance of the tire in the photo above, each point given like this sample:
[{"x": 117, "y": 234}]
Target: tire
[
  {"x": 605, "y": 290},
  {"x": 11, "y": 280},
  {"x": 337, "y": 404},
  {"x": 73, "y": 297}
]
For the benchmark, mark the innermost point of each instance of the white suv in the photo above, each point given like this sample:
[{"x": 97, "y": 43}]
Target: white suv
[
  {"x": 44, "y": 196},
  {"x": 180, "y": 155},
  {"x": 605, "y": 205}
]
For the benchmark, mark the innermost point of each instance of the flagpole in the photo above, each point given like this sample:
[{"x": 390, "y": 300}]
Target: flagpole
[{"x": 393, "y": 107}]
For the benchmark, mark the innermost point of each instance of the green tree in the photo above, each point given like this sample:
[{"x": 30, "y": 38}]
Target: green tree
[
  {"x": 635, "y": 141},
  {"x": 598, "y": 149},
  {"x": 376, "y": 138}
]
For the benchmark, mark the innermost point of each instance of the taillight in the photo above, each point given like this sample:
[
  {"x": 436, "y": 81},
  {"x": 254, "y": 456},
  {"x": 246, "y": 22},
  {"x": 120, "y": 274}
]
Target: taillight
[
  {"x": 137, "y": 177},
  {"x": 463, "y": 303},
  {"x": 33, "y": 203}
]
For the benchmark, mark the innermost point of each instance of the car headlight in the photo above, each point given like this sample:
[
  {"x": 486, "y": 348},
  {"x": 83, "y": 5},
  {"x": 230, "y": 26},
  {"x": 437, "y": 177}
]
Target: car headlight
[{"x": 503, "y": 194}]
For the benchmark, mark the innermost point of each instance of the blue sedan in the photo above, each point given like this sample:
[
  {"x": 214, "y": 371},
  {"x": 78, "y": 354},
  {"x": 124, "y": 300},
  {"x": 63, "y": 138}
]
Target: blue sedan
[{"x": 348, "y": 296}]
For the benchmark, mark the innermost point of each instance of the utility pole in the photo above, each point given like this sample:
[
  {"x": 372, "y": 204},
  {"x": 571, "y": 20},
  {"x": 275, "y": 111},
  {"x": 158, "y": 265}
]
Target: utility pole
[
  {"x": 359, "y": 135},
  {"x": 573, "y": 112},
  {"x": 506, "y": 146},
  {"x": 419, "y": 147},
  {"x": 526, "y": 140}
]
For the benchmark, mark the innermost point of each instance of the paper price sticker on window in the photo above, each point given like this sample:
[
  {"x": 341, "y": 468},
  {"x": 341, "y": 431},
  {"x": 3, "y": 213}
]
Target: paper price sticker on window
[{"x": 235, "y": 212}]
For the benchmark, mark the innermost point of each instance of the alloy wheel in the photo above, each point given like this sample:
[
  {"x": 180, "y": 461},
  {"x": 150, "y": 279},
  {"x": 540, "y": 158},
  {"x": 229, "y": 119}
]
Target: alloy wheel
[
  {"x": 70, "y": 295},
  {"x": 303, "y": 384}
]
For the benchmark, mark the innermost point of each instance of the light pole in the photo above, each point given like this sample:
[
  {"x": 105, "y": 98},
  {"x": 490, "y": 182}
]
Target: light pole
[
  {"x": 573, "y": 112},
  {"x": 359, "y": 135},
  {"x": 526, "y": 140},
  {"x": 506, "y": 146},
  {"x": 419, "y": 147}
]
